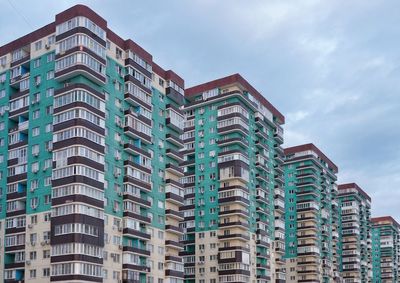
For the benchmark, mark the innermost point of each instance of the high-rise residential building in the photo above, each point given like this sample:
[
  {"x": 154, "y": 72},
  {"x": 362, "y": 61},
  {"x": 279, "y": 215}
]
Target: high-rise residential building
[
  {"x": 89, "y": 157},
  {"x": 385, "y": 250},
  {"x": 233, "y": 207},
  {"x": 355, "y": 234},
  {"x": 312, "y": 215}
]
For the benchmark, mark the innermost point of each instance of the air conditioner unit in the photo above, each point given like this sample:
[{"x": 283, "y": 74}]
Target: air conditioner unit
[
  {"x": 120, "y": 194},
  {"x": 120, "y": 247},
  {"x": 47, "y": 242},
  {"x": 35, "y": 154},
  {"x": 28, "y": 262},
  {"x": 119, "y": 229},
  {"x": 30, "y": 226},
  {"x": 35, "y": 170},
  {"x": 43, "y": 243},
  {"x": 32, "y": 190},
  {"x": 114, "y": 81},
  {"x": 47, "y": 46},
  {"x": 117, "y": 158},
  {"x": 33, "y": 244}
]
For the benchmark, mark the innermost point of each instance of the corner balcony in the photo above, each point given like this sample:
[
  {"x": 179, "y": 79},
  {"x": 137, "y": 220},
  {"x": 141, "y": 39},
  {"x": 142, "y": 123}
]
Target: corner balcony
[{"x": 80, "y": 64}]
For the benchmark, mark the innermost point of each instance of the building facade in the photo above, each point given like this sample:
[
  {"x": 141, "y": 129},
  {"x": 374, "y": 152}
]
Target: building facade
[
  {"x": 89, "y": 157},
  {"x": 355, "y": 234},
  {"x": 312, "y": 215},
  {"x": 233, "y": 207},
  {"x": 385, "y": 250}
]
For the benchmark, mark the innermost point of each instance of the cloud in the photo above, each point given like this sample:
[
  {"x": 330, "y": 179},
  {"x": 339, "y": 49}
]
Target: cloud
[{"x": 331, "y": 67}]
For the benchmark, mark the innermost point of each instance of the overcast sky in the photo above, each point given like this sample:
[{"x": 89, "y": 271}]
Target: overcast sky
[{"x": 331, "y": 67}]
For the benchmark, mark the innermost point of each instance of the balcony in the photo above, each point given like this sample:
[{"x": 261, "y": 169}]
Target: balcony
[
  {"x": 175, "y": 170},
  {"x": 80, "y": 64},
  {"x": 279, "y": 193},
  {"x": 279, "y": 205},
  {"x": 174, "y": 154},
  {"x": 280, "y": 224},
  {"x": 174, "y": 119},
  {"x": 278, "y": 135},
  {"x": 174, "y": 229}
]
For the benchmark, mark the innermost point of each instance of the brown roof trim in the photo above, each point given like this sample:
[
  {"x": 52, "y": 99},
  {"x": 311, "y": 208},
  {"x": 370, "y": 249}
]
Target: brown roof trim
[
  {"x": 235, "y": 78},
  {"x": 168, "y": 75},
  {"x": 81, "y": 10},
  {"x": 27, "y": 39},
  {"x": 375, "y": 220},
  {"x": 112, "y": 36},
  {"x": 77, "y": 10},
  {"x": 354, "y": 186},
  {"x": 310, "y": 146},
  {"x": 131, "y": 45}
]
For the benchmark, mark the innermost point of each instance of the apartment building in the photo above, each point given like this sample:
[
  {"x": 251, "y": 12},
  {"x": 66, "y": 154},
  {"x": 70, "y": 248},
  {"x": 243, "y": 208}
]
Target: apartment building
[
  {"x": 89, "y": 157},
  {"x": 234, "y": 198},
  {"x": 355, "y": 234},
  {"x": 385, "y": 250},
  {"x": 312, "y": 215}
]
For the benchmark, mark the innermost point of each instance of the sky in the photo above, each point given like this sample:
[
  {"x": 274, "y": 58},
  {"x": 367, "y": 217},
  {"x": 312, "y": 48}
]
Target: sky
[{"x": 331, "y": 67}]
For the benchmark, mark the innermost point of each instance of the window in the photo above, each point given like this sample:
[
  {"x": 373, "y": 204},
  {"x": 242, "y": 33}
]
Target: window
[
  {"x": 50, "y": 75},
  {"x": 51, "y": 39},
  {"x": 36, "y": 63},
  {"x": 46, "y": 254},
  {"x": 49, "y": 128},
  {"x": 47, "y": 217},
  {"x": 3, "y": 61},
  {"x": 50, "y": 91},
  {"x": 36, "y": 96},
  {"x": 34, "y": 219},
  {"x": 47, "y": 199},
  {"x": 46, "y": 272},
  {"x": 32, "y": 273},
  {"x": 38, "y": 45},
  {"x": 38, "y": 80},
  {"x": 35, "y": 167},
  {"x": 50, "y": 57},
  {"x": 35, "y": 131},
  {"x": 34, "y": 202},
  {"x": 35, "y": 114},
  {"x": 33, "y": 239}
]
